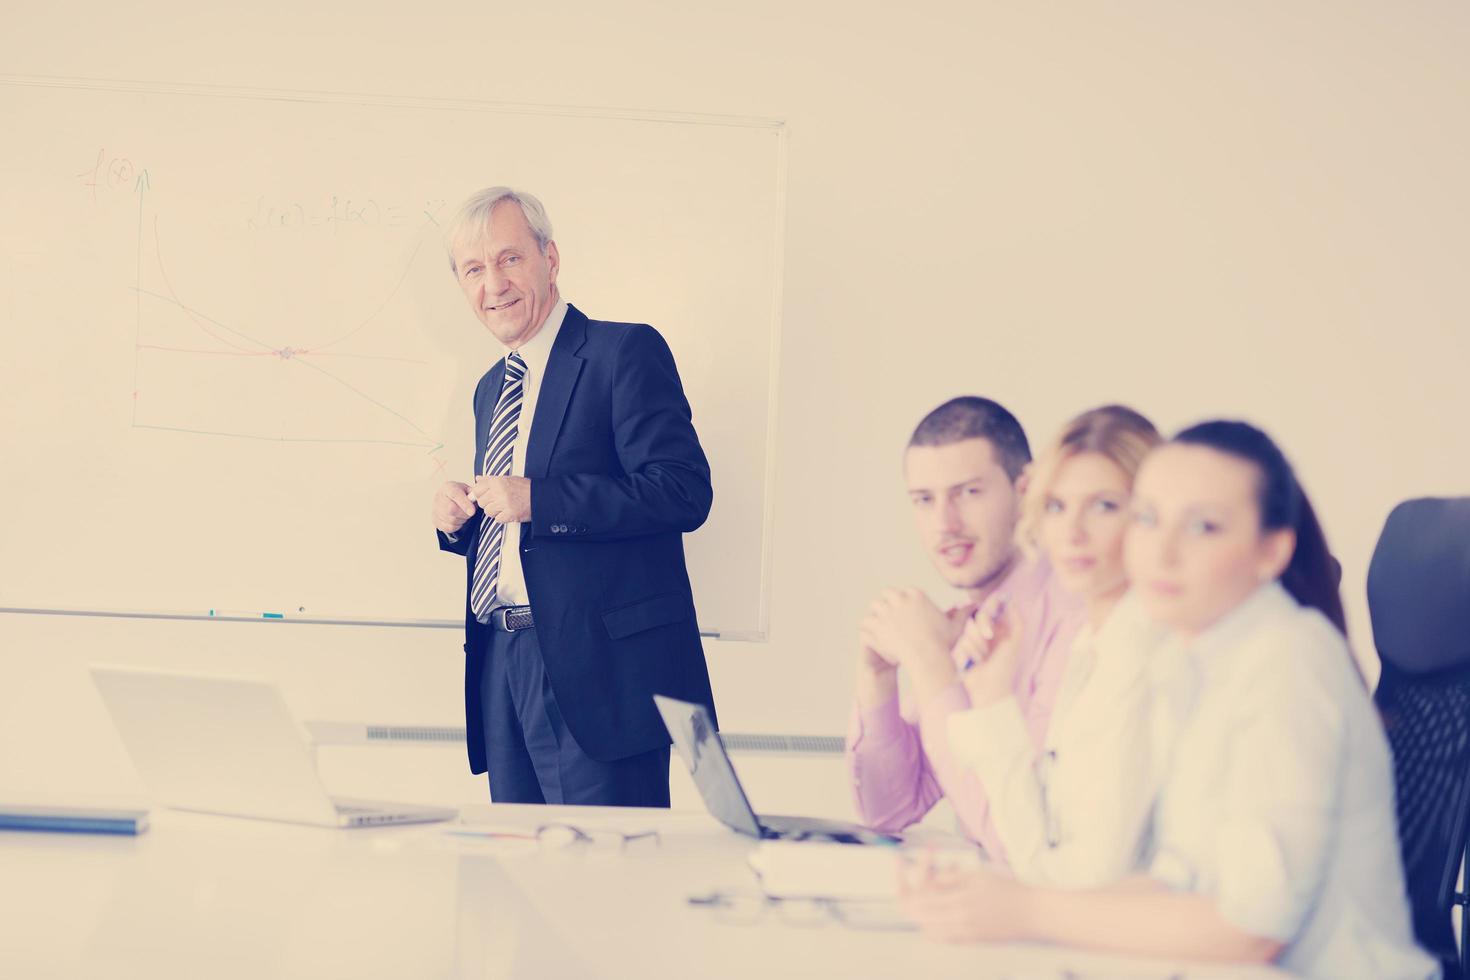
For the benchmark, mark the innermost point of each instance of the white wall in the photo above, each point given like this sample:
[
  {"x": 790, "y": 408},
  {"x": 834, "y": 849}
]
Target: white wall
[{"x": 1254, "y": 209}]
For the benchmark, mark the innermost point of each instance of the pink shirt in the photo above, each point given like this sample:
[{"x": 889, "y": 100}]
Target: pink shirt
[{"x": 900, "y": 761}]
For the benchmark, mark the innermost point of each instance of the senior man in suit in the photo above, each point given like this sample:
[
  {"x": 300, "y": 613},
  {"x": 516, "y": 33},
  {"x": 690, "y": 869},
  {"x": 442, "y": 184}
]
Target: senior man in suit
[{"x": 588, "y": 473}]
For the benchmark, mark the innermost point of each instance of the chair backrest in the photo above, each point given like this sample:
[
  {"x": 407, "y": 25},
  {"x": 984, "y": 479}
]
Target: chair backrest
[{"x": 1419, "y": 602}]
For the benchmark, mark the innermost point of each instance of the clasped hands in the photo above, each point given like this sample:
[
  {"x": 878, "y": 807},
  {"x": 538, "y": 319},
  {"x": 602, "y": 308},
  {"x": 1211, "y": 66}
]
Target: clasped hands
[
  {"x": 506, "y": 499},
  {"x": 904, "y": 628}
]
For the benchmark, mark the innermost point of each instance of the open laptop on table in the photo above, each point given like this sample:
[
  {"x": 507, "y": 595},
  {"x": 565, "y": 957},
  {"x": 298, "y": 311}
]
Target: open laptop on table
[
  {"x": 230, "y": 746},
  {"x": 699, "y": 745}
]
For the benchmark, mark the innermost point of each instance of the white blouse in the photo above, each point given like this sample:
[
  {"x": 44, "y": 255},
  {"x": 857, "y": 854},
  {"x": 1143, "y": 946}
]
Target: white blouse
[
  {"x": 1075, "y": 814},
  {"x": 1278, "y": 801}
]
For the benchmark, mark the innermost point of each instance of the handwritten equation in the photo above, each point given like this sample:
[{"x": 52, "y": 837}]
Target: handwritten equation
[
  {"x": 114, "y": 171},
  {"x": 337, "y": 211}
]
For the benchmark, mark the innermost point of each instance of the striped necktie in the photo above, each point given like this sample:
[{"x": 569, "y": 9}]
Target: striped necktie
[{"x": 498, "y": 450}]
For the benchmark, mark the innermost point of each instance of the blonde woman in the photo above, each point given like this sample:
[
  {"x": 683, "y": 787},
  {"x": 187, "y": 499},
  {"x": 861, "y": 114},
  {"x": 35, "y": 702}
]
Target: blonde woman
[{"x": 1073, "y": 813}]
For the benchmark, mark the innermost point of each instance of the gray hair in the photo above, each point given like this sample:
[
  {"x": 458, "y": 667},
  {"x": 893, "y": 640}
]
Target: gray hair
[{"x": 473, "y": 216}]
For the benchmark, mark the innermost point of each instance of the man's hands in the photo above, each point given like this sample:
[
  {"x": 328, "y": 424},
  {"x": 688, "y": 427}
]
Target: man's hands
[
  {"x": 506, "y": 499},
  {"x": 903, "y": 628},
  {"x": 452, "y": 507}
]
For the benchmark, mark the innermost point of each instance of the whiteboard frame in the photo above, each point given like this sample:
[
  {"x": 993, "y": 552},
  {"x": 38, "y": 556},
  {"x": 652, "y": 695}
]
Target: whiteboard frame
[{"x": 264, "y": 94}]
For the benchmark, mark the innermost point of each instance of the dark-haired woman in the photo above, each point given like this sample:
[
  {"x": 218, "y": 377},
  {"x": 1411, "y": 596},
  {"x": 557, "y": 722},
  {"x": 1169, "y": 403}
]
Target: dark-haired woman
[{"x": 1274, "y": 832}]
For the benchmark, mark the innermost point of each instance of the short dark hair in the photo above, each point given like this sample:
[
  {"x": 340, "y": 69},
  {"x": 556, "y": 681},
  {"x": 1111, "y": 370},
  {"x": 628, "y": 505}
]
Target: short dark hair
[{"x": 972, "y": 417}]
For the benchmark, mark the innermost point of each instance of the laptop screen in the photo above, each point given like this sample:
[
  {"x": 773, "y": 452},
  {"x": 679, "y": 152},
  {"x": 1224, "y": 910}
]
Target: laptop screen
[
  {"x": 703, "y": 753},
  {"x": 215, "y": 744}
]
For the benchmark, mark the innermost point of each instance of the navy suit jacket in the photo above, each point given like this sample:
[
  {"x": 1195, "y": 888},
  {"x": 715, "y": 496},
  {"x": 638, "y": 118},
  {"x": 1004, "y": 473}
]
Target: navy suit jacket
[{"x": 617, "y": 478}]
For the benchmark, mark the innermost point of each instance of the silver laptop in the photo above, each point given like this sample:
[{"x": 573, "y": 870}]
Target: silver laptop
[
  {"x": 231, "y": 746},
  {"x": 704, "y": 754}
]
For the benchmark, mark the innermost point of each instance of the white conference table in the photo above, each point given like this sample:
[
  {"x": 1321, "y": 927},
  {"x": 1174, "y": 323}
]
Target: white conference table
[{"x": 202, "y": 896}]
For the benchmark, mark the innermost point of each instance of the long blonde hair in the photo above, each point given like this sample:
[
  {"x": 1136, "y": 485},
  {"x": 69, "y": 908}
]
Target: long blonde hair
[{"x": 1115, "y": 431}]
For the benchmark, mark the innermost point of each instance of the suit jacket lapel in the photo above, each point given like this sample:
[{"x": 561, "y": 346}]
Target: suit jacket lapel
[{"x": 562, "y": 369}]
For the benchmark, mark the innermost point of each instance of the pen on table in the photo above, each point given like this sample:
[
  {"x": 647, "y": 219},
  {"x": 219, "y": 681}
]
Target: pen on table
[
  {"x": 245, "y": 614},
  {"x": 493, "y": 834}
]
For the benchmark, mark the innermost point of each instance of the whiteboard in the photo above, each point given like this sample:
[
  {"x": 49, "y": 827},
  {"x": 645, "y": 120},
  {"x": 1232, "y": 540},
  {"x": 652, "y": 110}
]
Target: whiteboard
[{"x": 238, "y": 364}]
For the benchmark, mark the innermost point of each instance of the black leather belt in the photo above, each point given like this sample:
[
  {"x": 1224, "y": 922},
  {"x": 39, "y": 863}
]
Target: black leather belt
[{"x": 510, "y": 619}]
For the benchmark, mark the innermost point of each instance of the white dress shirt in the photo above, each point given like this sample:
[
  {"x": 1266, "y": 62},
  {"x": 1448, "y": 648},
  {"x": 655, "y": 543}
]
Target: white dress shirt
[
  {"x": 510, "y": 590},
  {"x": 1279, "y": 798},
  {"x": 1075, "y": 814}
]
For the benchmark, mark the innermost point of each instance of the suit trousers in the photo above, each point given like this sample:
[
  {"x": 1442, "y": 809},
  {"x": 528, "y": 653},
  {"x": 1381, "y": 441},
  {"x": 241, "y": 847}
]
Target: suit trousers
[{"x": 531, "y": 757}]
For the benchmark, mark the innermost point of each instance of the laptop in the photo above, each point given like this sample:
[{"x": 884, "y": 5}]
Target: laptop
[
  {"x": 704, "y": 754},
  {"x": 230, "y": 746}
]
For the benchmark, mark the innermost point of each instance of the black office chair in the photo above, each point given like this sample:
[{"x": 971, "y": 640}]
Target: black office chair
[{"x": 1419, "y": 601}]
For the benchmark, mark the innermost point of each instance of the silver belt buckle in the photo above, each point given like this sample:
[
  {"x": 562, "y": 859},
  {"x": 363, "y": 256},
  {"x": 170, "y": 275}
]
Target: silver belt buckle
[{"x": 522, "y": 614}]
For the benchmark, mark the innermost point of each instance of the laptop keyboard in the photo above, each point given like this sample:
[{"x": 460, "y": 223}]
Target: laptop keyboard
[{"x": 365, "y": 812}]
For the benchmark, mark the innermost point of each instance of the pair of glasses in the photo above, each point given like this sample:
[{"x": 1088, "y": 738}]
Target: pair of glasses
[
  {"x": 565, "y": 836},
  {"x": 750, "y": 908}
]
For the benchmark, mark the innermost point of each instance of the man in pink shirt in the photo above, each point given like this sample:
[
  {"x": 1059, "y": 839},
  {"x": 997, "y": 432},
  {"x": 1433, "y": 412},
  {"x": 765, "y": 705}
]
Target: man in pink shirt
[{"x": 966, "y": 468}]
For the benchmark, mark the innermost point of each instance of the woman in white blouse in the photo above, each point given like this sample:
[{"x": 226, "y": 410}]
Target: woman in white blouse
[
  {"x": 1274, "y": 831},
  {"x": 1074, "y": 813}
]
